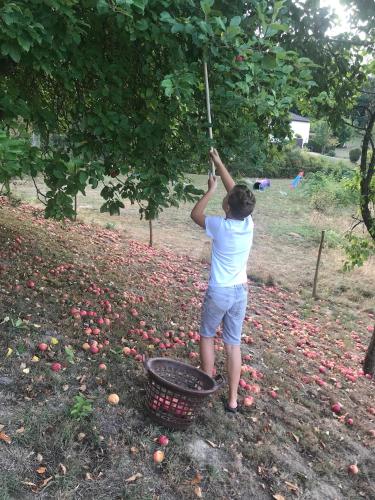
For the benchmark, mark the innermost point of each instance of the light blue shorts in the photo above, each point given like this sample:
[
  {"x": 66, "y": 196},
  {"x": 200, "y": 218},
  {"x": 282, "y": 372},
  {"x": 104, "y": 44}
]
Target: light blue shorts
[{"x": 228, "y": 305}]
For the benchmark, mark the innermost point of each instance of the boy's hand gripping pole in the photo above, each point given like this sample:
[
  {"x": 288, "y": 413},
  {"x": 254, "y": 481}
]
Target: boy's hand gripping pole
[{"x": 208, "y": 105}]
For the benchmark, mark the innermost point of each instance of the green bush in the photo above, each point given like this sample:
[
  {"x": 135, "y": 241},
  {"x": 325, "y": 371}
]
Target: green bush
[
  {"x": 331, "y": 152},
  {"x": 322, "y": 201},
  {"x": 354, "y": 154},
  {"x": 328, "y": 189},
  {"x": 287, "y": 164},
  {"x": 313, "y": 146},
  {"x": 293, "y": 160}
]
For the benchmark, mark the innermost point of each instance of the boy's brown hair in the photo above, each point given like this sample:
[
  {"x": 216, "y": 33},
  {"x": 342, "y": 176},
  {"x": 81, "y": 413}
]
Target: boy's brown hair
[{"x": 241, "y": 201}]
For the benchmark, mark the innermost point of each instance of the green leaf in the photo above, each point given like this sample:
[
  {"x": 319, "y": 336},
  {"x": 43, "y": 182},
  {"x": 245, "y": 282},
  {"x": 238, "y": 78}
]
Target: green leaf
[
  {"x": 140, "y": 4},
  {"x": 269, "y": 61},
  {"x": 69, "y": 352},
  {"x": 165, "y": 17},
  {"x": 142, "y": 25},
  {"x": 279, "y": 27},
  {"x": 304, "y": 60},
  {"x": 178, "y": 28},
  {"x": 12, "y": 50},
  {"x": 206, "y": 6},
  {"x": 58, "y": 173},
  {"x": 235, "y": 21},
  {"x": 83, "y": 177},
  {"x": 219, "y": 21},
  {"x": 25, "y": 43},
  {"x": 102, "y": 7}
]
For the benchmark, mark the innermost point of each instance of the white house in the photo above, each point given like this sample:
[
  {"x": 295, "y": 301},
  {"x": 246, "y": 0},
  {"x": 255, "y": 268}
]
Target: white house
[{"x": 301, "y": 126}]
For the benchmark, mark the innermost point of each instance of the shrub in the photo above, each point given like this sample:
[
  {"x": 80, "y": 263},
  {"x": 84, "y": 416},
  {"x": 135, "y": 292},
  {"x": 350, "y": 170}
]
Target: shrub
[
  {"x": 354, "y": 154},
  {"x": 333, "y": 239},
  {"x": 331, "y": 152},
  {"x": 293, "y": 160},
  {"x": 322, "y": 201},
  {"x": 313, "y": 146},
  {"x": 287, "y": 164},
  {"x": 328, "y": 188}
]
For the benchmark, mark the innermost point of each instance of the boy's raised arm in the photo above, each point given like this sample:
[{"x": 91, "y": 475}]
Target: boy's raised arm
[
  {"x": 222, "y": 171},
  {"x": 198, "y": 212}
]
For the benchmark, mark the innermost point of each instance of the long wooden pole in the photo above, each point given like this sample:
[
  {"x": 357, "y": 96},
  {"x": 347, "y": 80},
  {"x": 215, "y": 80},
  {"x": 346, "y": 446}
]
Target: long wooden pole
[
  {"x": 317, "y": 265},
  {"x": 208, "y": 106}
]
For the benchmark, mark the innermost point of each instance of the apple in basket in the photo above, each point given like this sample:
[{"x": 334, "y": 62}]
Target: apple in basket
[
  {"x": 156, "y": 403},
  {"x": 182, "y": 409},
  {"x": 167, "y": 402}
]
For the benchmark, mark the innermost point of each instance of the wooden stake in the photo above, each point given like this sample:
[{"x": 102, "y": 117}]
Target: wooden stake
[
  {"x": 317, "y": 265},
  {"x": 75, "y": 208},
  {"x": 151, "y": 240}
]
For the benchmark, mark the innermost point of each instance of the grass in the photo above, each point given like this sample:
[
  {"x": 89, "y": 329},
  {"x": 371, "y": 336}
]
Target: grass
[{"x": 286, "y": 239}]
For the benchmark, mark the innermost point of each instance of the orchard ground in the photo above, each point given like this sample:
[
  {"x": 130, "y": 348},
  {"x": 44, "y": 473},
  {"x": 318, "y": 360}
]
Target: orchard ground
[
  {"x": 287, "y": 236},
  {"x": 59, "y": 280}
]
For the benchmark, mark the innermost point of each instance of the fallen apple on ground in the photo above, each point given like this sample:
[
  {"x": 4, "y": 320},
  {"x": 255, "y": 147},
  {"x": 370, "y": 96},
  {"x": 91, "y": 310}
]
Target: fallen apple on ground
[{"x": 113, "y": 399}]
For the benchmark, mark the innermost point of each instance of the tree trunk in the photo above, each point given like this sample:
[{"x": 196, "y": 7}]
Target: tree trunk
[
  {"x": 369, "y": 364},
  {"x": 151, "y": 234},
  {"x": 7, "y": 188},
  {"x": 367, "y": 172}
]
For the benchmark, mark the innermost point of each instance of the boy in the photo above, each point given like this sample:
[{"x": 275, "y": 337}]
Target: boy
[{"x": 226, "y": 296}]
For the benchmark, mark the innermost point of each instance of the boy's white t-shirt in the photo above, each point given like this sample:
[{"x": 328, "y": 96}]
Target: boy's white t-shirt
[{"x": 231, "y": 243}]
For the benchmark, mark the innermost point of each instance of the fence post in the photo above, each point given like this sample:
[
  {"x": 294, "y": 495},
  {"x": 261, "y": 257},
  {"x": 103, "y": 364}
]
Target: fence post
[{"x": 317, "y": 265}]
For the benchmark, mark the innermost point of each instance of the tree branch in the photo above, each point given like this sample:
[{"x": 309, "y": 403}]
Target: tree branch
[
  {"x": 38, "y": 192},
  {"x": 359, "y": 221}
]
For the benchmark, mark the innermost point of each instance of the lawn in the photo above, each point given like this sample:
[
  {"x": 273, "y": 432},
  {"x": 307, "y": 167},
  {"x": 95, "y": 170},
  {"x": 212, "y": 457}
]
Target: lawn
[{"x": 300, "y": 357}]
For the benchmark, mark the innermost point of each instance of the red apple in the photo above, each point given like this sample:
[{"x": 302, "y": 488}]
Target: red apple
[
  {"x": 353, "y": 469},
  {"x": 336, "y": 408},
  {"x": 163, "y": 440},
  {"x": 42, "y": 346},
  {"x": 56, "y": 367},
  {"x": 248, "y": 401}
]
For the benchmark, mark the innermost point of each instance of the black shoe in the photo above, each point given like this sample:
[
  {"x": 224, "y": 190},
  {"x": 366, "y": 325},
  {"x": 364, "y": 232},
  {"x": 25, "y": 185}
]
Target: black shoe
[{"x": 229, "y": 409}]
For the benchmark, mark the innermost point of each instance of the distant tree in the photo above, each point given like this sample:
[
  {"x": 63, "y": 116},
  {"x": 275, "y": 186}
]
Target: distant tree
[
  {"x": 354, "y": 155},
  {"x": 344, "y": 133},
  {"x": 322, "y": 136}
]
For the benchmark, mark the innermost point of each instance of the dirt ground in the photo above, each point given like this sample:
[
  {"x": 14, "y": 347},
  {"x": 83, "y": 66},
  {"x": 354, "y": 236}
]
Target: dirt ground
[{"x": 299, "y": 358}]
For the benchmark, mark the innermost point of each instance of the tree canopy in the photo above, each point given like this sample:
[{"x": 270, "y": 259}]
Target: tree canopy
[{"x": 121, "y": 81}]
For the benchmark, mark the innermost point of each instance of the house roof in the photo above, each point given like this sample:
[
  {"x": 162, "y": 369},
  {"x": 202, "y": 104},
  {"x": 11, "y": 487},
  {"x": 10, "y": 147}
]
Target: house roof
[{"x": 298, "y": 118}]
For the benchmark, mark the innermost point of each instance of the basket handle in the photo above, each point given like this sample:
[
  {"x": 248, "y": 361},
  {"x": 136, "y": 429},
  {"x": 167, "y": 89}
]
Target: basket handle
[{"x": 219, "y": 381}]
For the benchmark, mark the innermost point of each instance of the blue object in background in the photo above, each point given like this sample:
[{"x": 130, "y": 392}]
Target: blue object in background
[{"x": 297, "y": 180}]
